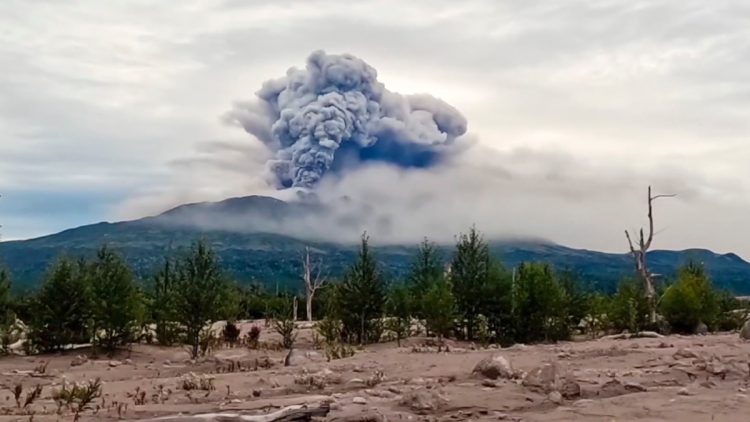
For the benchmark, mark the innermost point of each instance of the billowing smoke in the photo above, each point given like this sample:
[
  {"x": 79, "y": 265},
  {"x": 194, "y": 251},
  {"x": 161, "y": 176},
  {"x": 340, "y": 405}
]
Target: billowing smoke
[{"x": 334, "y": 114}]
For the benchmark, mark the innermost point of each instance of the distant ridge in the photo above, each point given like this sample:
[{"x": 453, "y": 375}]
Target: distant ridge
[{"x": 251, "y": 254}]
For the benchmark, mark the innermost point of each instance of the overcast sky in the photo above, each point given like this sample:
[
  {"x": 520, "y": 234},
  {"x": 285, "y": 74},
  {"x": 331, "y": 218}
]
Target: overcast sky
[{"x": 113, "y": 109}]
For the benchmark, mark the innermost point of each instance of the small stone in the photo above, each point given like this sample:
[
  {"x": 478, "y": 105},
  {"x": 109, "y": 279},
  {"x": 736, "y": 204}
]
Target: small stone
[
  {"x": 127, "y": 362},
  {"x": 555, "y": 397},
  {"x": 79, "y": 360},
  {"x": 634, "y": 386},
  {"x": 683, "y": 392},
  {"x": 489, "y": 383},
  {"x": 114, "y": 363},
  {"x": 359, "y": 400},
  {"x": 683, "y": 353}
]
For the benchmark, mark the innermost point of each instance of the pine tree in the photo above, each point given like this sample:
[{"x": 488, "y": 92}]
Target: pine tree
[
  {"x": 439, "y": 309},
  {"x": 6, "y": 305},
  {"x": 201, "y": 292},
  {"x": 116, "y": 301},
  {"x": 469, "y": 276},
  {"x": 426, "y": 271},
  {"x": 496, "y": 302},
  {"x": 539, "y": 305},
  {"x": 399, "y": 310},
  {"x": 162, "y": 305},
  {"x": 61, "y": 309},
  {"x": 361, "y": 297},
  {"x": 7, "y": 316}
]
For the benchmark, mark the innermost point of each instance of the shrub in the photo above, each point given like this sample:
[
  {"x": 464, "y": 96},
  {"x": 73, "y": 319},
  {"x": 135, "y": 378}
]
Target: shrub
[
  {"x": 252, "y": 337},
  {"x": 690, "y": 301},
  {"x": 231, "y": 333},
  {"x": 285, "y": 328}
]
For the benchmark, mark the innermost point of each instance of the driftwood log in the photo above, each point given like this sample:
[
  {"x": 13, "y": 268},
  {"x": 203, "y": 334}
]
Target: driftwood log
[{"x": 287, "y": 414}]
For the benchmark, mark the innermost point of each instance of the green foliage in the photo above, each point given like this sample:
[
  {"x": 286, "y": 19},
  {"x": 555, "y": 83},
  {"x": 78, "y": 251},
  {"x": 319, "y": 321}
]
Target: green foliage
[
  {"x": 77, "y": 397},
  {"x": 691, "y": 300},
  {"x": 597, "y": 314},
  {"x": 540, "y": 305},
  {"x": 162, "y": 305},
  {"x": 732, "y": 312},
  {"x": 231, "y": 333},
  {"x": 360, "y": 298},
  {"x": 496, "y": 305},
  {"x": 329, "y": 329},
  {"x": 116, "y": 302},
  {"x": 61, "y": 309},
  {"x": 425, "y": 271},
  {"x": 439, "y": 307},
  {"x": 399, "y": 309},
  {"x": 285, "y": 328},
  {"x": 629, "y": 308},
  {"x": 469, "y": 276},
  {"x": 200, "y": 293},
  {"x": 7, "y": 315}
]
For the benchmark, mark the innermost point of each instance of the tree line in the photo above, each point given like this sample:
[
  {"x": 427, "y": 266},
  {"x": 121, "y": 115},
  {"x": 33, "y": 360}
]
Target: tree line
[{"x": 474, "y": 298}]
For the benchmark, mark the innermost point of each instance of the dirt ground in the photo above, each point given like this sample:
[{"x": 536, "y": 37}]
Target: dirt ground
[{"x": 700, "y": 378}]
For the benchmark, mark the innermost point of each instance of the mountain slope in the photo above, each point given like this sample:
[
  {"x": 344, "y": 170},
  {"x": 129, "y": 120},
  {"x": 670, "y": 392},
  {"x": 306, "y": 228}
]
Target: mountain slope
[{"x": 254, "y": 256}]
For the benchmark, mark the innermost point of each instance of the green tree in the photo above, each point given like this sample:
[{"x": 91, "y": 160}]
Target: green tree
[
  {"x": 6, "y": 303},
  {"x": 539, "y": 305},
  {"x": 496, "y": 305},
  {"x": 469, "y": 276},
  {"x": 7, "y": 316},
  {"x": 629, "y": 309},
  {"x": 163, "y": 305},
  {"x": 426, "y": 270},
  {"x": 361, "y": 297},
  {"x": 440, "y": 309},
  {"x": 691, "y": 300},
  {"x": 399, "y": 310},
  {"x": 61, "y": 309},
  {"x": 200, "y": 293},
  {"x": 116, "y": 301}
]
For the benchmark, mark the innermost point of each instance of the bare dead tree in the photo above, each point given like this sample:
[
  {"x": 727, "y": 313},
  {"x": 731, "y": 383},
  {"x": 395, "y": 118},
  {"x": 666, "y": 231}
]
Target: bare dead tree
[
  {"x": 312, "y": 274},
  {"x": 639, "y": 253}
]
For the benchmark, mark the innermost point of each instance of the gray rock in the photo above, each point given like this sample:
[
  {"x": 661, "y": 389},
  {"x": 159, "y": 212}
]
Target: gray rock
[
  {"x": 552, "y": 377},
  {"x": 297, "y": 357},
  {"x": 359, "y": 400},
  {"x": 745, "y": 332},
  {"x": 555, "y": 397},
  {"x": 423, "y": 401},
  {"x": 79, "y": 360},
  {"x": 701, "y": 329},
  {"x": 494, "y": 367}
]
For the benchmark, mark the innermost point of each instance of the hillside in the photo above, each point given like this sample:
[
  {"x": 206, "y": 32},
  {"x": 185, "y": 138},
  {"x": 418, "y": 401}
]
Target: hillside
[{"x": 272, "y": 259}]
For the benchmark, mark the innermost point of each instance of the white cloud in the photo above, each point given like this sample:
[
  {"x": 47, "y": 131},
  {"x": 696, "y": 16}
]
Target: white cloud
[{"x": 584, "y": 102}]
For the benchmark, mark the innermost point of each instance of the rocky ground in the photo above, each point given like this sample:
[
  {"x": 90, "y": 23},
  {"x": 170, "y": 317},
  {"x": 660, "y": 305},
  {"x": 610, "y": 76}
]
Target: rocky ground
[{"x": 701, "y": 378}]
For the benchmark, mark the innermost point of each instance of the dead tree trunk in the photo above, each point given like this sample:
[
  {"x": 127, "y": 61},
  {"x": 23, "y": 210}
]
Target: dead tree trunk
[
  {"x": 639, "y": 253},
  {"x": 313, "y": 278}
]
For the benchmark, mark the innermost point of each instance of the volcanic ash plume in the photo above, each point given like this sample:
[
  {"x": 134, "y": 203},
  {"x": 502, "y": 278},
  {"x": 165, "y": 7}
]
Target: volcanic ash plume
[{"x": 335, "y": 114}]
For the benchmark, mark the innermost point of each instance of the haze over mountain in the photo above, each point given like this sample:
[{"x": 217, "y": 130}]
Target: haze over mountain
[{"x": 251, "y": 254}]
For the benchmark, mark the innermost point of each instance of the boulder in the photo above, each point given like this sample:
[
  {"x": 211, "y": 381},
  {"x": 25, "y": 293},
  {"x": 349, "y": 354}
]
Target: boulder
[
  {"x": 701, "y": 329},
  {"x": 297, "y": 357},
  {"x": 423, "y": 401},
  {"x": 79, "y": 360},
  {"x": 551, "y": 377},
  {"x": 745, "y": 331},
  {"x": 494, "y": 367}
]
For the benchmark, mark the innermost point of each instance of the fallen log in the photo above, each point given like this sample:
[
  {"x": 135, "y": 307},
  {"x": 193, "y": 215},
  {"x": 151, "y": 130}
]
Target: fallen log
[{"x": 288, "y": 414}]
